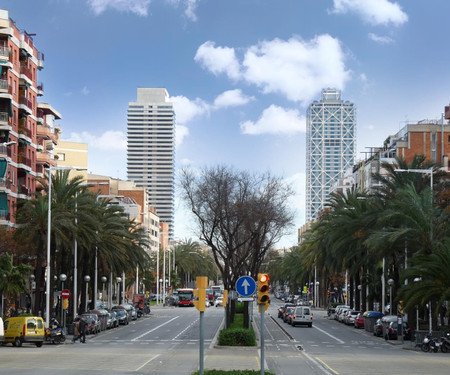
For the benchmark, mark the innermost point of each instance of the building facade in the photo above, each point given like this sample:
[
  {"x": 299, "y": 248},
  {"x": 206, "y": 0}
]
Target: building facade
[
  {"x": 151, "y": 150},
  {"x": 330, "y": 147},
  {"x": 28, "y": 130}
]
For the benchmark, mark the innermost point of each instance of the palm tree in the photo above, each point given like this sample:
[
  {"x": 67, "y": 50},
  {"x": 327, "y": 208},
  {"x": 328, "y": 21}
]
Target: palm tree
[{"x": 12, "y": 279}]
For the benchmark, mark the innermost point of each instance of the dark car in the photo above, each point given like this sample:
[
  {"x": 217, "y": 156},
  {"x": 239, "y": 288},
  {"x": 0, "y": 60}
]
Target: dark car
[
  {"x": 378, "y": 328},
  {"x": 93, "y": 323},
  {"x": 282, "y": 309},
  {"x": 122, "y": 316},
  {"x": 287, "y": 314},
  {"x": 392, "y": 331}
]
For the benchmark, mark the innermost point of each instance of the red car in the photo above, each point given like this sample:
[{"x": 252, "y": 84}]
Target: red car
[{"x": 359, "y": 320}]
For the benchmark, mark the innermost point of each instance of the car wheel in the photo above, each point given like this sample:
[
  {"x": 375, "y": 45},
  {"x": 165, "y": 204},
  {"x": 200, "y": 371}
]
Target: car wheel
[
  {"x": 293, "y": 324},
  {"x": 39, "y": 344},
  {"x": 17, "y": 342}
]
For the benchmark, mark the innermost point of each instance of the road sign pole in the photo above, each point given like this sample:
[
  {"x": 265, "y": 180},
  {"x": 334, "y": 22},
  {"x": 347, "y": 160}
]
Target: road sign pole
[
  {"x": 201, "y": 343},
  {"x": 261, "y": 309}
]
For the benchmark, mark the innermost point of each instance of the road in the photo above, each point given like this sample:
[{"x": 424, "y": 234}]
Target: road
[{"x": 167, "y": 342}]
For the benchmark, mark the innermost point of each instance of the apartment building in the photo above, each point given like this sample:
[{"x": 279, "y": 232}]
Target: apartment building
[
  {"x": 330, "y": 147},
  {"x": 151, "y": 150},
  {"x": 28, "y": 130}
]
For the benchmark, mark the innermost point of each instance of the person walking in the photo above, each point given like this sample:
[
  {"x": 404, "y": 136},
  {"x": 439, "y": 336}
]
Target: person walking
[
  {"x": 76, "y": 330},
  {"x": 82, "y": 329}
]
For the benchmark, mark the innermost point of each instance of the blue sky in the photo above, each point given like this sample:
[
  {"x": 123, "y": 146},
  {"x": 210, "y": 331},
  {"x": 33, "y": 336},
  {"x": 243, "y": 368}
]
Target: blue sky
[{"x": 241, "y": 74}]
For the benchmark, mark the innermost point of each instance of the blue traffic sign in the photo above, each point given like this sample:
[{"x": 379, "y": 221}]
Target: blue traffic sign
[{"x": 245, "y": 286}]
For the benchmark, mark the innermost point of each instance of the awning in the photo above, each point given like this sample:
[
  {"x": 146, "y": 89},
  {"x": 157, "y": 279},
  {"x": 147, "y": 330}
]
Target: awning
[
  {"x": 3, "y": 202},
  {"x": 3, "y": 166}
]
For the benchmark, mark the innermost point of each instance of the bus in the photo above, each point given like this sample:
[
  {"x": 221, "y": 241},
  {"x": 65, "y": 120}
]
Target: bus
[{"x": 185, "y": 297}]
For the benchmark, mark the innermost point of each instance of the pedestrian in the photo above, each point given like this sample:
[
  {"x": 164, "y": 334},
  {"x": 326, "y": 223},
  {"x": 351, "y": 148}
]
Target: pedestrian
[
  {"x": 76, "y": 329},
  {"x": 82, "y": 329}
]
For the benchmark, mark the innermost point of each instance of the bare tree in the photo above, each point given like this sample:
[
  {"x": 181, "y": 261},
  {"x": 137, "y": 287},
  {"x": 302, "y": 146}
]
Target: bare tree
[{"x": 239, "y": 215}]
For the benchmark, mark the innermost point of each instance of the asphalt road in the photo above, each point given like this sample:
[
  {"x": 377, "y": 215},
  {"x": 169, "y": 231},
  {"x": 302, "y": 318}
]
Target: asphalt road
[{"x": 167, "y": 342}]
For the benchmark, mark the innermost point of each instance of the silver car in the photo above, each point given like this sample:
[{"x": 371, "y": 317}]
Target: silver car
[{"x": 302, "y": 316}]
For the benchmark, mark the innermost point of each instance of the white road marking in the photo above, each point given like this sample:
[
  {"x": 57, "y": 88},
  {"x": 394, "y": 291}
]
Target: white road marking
[
  {"x": 154, "y": 329},
  {"x": 151, "y": 359},
  {"x": 329, "y": 334}
]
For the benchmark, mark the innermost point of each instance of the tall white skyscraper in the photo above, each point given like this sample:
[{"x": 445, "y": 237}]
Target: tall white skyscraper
[
  {"x": 151, "y": 149},
  {"x": 330, "y": 147}
]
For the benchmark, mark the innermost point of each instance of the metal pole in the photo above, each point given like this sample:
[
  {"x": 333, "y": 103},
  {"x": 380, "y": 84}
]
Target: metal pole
[
  {"x": 75, "y": 261},
  {"x": 62, "y": 310},
  {"x": 390, "y": 299},
  {"x": 123, "y": 288},
  {"x": 261, "y": 307},
  {"x": 94, "y": 297},
  {"x": 201, "y": 343},
  {"x": 383, "y": 288},
  {"x": 49, "y": 228},
  {"x": 86, "y": 302},
  {"x": 157, "y": 277},
  {"x": 429, "y": 317}
]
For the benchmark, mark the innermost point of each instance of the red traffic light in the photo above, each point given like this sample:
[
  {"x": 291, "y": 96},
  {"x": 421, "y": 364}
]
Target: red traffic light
[{"x": 263, "y": 278}]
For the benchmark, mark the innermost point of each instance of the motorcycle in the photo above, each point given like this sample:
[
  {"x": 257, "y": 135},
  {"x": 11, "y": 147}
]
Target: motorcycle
[
  {"x": 54, "y": 334},
  {"x": 430, "y": 343},
  {"x": 445, "y": 343}
]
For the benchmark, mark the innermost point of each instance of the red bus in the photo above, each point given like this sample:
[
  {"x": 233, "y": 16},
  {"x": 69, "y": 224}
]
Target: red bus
[{"x": 185, "y": 297}]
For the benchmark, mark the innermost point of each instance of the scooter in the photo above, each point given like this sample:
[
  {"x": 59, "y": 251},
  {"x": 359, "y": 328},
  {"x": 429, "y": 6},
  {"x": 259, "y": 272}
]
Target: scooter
[
  {"x": 430, "y": 343},
  {"x": 54, "y": 333},
  {"x": 445, "y": 343}
]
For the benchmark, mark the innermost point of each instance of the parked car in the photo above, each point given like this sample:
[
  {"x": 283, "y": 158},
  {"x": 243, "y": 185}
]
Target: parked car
[
  {"x": 392, "y": 331},
  {"x": 342, "y": 314},
  {"x": 302, "y": 315},
  {"x": 93, "y": 323},
  {"x": 133, "y": 313},
  {"x": 24, "y": 329},
  {"x": 350, "y": 317},
  {"x": 378, "y": 328},
  {"x": 338, "y": 310},
  {"x": 114, "y": 319},
  {"x": 218, "y": 301},
  {"x": 386, "y": 322},
  {"x": 359, "y": 320},
  {"x": 122, "y": 316}
]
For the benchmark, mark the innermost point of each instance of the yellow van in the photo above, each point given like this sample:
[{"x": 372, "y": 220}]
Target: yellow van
[{"x": 20, "y": 329}]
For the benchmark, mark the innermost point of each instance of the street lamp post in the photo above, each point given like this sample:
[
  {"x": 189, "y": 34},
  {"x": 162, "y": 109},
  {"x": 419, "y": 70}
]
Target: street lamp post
[
  {"x": 417, "y": 279},
  {"x": 360, "y": 297},
  {"x": 63, "y": 278},
  {"x": 87, "y": 278},
  {"x": 118, "y": 279},
  {"x": 104, "y": 279},
  {"x": 390, "y": 283},
  {"x": 32, "y": 288}
]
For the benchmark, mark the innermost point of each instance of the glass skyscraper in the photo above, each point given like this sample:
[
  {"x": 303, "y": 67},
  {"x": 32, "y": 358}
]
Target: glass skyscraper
[
  {"x": 151, "y": 150},
  {"x": 330, "y": 147}
]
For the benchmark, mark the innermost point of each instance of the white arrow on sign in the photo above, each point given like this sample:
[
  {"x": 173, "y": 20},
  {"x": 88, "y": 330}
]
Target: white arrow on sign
[{"x": 245, "y": 284}]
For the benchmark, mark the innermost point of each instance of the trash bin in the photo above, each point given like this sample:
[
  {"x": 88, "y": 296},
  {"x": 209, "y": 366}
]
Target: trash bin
[{"x": 370, "y": 318}]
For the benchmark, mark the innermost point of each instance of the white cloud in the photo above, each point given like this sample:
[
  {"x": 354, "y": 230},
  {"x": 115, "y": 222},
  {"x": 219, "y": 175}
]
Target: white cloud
[
  {"x": 218, "y": 60},
  {"x": 232, "y": 98},
  {"x": 375, "y": 12},
  {"x": 139, "y": 7},
  {"x": 181, "y": 132},
  {"x": 110, "y": 140},
  {"x": 381, "y": 39},
  {"x": 186, "y": 110},
  {"x": 85, "y": 90},
  {"x": 276, "y": 120},
  {"x": 190, "y": 7},
  {"x": 295, "y": 68}
]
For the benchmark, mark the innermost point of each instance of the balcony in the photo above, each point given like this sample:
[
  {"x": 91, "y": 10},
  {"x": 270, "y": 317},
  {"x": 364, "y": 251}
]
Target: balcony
[
  {"x": 40, "y": 60},
  {"x": 23, "y": 190},
  {"x": 447, "y": 112},
  {"x": 25, "y": 131},
  {"x": 4, "y": 53},
  {"x": 21, "y": 159},
  {"x": 40, "y": 88},
  {"x": 4, "y": 85},
  {"x": 4, "y": 117},
  {"x": 5, "y": 151},
  {"x": 46, "y": 132},
  {"x": 45, "y": 158},
  {"x": 4, "y": 215},
  {"x": 5, "y": 184},
  {"x": 26, "y": 72},
  {"x": 27, "y": 103}
]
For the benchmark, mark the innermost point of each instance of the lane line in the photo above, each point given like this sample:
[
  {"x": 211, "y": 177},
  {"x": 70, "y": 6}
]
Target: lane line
[
  {"x": 328, "y": 367},
  {"x": 318, "y": 364},
  {"x": 154, "y": 329},
  {"x": 151, "y": 359},
  {"x": 329, "y": 334}
]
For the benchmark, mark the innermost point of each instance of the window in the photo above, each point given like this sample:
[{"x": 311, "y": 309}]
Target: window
[
  {"x": 61, "y": 157},
  {"x": 31, "y": 324}
]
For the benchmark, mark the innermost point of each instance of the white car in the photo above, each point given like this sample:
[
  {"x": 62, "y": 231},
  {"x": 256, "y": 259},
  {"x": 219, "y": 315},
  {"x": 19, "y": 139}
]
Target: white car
[{"x": 218, "y": 302}]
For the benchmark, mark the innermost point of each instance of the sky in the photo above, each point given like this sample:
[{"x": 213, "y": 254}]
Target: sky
[{"x": 241, "y": 74}]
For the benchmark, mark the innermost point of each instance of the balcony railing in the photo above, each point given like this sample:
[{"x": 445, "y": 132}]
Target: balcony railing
[
  {"x": 39, "y": 168},
  {"x": 4, "y": 51},
  {"x": 3, "y": 84},
  {"x": 5, "y": 183},
  {"x": 447, "y": 112},
  {"x": 25, "y": 101},
  {"x": 24, "y": 190},
  {"x": 27, "y": 72},
  {"x": 4, "y": 215},
  {"x": 25, "y": 131},
  {"x": 24, "y": 160},
  {"x": 4, "y": 116},
  {"x": 5, "y": 150}
]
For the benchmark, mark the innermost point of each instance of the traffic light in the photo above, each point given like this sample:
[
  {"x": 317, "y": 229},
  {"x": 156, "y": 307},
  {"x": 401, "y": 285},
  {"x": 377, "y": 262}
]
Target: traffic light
[
  {"x": 65, "y": 303},
  {"x": 263, "y": 290},
  {"x": 200, "y": 300},
  {"x": 201, "y": 283},
  {"x": 328, "y": 293},
  {"x": 225, "y": 298}
]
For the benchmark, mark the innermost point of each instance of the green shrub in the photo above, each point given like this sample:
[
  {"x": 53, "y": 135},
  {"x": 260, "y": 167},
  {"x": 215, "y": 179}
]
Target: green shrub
[
  {"x": 237, "y": 337},
  {"x": 239, "y": 308}
]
